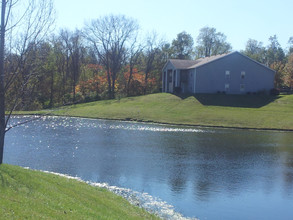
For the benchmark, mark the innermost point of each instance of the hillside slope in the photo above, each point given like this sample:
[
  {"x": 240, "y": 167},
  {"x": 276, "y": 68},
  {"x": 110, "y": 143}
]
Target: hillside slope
[
  {"x": 27, "y": 194},
  {"x": 248, "y": 111}
]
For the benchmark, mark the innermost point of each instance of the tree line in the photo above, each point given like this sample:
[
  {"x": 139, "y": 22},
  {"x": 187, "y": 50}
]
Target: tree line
[
  {"x": 275, "y": 57},
  {"x": 108, "y": 59}
]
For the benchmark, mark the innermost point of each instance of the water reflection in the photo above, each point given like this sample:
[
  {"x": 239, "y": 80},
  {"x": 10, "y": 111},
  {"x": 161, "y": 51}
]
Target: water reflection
[{"x": 236, "y": 174}]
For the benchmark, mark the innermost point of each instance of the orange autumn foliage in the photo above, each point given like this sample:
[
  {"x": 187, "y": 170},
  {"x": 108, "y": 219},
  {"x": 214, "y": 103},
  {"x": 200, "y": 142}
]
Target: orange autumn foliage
[{"x": 98, "y": 84}]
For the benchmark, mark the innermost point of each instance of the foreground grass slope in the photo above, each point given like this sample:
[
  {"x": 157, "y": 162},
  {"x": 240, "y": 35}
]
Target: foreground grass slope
[
  {"x": 27, "y": 194},
  {"x": 248, "y": 111}
]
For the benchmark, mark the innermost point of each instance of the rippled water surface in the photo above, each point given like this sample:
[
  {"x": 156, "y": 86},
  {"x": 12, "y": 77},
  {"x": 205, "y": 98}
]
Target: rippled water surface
[{"x": 204, "y": 173}]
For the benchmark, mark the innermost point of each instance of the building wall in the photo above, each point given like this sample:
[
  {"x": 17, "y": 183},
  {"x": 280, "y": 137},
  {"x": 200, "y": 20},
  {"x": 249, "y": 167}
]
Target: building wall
[
  {"x": 166, "y": 78},
  {"x": 212, "y": 77}
]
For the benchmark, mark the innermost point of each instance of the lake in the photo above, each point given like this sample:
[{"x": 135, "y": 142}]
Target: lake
[{"x": 203, "y": 173}]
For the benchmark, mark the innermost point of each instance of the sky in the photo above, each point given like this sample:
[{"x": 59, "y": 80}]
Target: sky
[{"x": 239, "y": 20}]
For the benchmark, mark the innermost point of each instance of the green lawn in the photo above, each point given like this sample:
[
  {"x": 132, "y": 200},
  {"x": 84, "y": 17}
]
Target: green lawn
[
  {"x": 27, "y": 194},
  {"x": 240, "y": 111}
]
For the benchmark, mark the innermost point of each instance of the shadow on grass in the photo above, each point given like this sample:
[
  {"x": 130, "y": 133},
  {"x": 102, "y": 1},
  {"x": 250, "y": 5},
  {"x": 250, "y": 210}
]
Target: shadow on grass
[{"x": 242, "y": 101}]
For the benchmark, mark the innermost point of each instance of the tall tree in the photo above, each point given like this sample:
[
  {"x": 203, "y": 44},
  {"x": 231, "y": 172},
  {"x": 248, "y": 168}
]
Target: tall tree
[
  {"x": 255, "y": 50},
  {"x": 110, "y": 36},
  {"x": 26, "y": 27},
  {"x": 133, "y": 60},
  {"x": 210, "y": 42},
  {"x": 61, "y": 56},
  {"x": 151, "y": 50},
  {"x": 279, "y": 67},
  {"x": 289, "y": 72},
  {"x": 74, "y": 48},
  {"x": 275, "y": 52},
  {"x": 182, "y": 46},
  {"x": 2, "y": 75}
]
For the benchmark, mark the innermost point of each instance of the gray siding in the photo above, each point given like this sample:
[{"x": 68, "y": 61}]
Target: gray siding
[
  {"x": 211, "y": 77},
  {"x": 166, "y": 77}
]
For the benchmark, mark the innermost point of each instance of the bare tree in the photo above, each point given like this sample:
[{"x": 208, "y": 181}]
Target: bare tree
[
  {"x": 2, "y": 91},
  {"x": 151, "y": 50},
  {"x": 23, "y": 23},
  {"x": 73, "y": 46},
  {"x": 110, "y": 36},
  {"x": 134, "y": 58}
]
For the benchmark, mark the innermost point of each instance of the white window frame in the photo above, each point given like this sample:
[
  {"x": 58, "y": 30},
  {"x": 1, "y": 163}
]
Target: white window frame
[
  {"x": 242, "y": 87},
  {"x": 242, "y": 74},
  {"x": 227, "y": 86},
  {"x": 227, "y": 74}
]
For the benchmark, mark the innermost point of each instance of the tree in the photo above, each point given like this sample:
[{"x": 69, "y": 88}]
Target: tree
[
  {"x": 74, "y": 55},
  {"x": 2, "y": 75},
  {"x": 255, "y": 50},
  {"x": 110, "y": 36},
  {"x": 46, "y": 76},
  {"x": 25, "y": 28},
  {"x": 61, "y": 56},
  {"x": 279, "y": 67},
  {"x": 210, "y": 42},
  {"x": 182, "y": 46},
  {"x": 275, "y": 52},
  {"x": 134, "y": 58},
  {"x": 151, "y": 50},
  {"x": 289, "y": 72}
]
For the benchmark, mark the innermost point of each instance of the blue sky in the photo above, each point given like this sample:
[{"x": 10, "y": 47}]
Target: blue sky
[{"x": 239, "y": 20}]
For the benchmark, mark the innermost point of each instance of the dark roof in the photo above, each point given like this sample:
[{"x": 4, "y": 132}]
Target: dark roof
[
  {"x": 182, "y": 64},
  {"x": 205, "y": 60},
  {"x": 192, "y": 64}
]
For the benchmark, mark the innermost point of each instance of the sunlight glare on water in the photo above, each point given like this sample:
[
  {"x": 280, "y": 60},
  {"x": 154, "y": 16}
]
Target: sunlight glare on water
[{"x": 204, "y": 173}]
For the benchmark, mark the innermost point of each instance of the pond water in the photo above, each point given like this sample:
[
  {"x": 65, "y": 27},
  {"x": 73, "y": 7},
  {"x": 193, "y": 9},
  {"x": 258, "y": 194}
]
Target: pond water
[{"x": 204, "y": 173}]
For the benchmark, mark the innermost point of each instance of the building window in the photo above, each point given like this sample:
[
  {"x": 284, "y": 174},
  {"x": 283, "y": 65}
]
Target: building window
[
  {"x": 242, "y": 87},
  {"x": 169, "y": 76},
  {"x": 227, "y": 74},
  {"x": 227, "y": 87},
  {"x": 242, "y": 74}
]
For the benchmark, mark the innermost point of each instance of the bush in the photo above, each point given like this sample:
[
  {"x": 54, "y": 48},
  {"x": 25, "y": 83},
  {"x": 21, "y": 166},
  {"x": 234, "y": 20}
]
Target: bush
[
  {"x": 274, "y": 92},
  {"x": 285, "y": 89}
]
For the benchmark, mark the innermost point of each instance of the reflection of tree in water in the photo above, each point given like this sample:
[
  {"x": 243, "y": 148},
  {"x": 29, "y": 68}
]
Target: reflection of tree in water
[
  {"x": 179, "y": 156},
  {"x": 226, "y": 162},
  {"x": 178, "y": 177},
  {"x": 286, "y": 152}
]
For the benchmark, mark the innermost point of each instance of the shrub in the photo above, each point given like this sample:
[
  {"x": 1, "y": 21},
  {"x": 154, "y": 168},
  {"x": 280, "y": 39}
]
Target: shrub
[{"x": 274, "y": 92}]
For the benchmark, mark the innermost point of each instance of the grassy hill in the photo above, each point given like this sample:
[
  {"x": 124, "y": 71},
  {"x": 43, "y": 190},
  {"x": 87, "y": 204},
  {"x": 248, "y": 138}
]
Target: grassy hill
[
  {"x": 240, "y": 111},
  {"x": 27, "y": 194}
]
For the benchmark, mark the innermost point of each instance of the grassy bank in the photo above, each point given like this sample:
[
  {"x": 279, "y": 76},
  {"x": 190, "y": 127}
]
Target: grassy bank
[
  {"x": 27, "y": 194},
  {"x": 247, "y": 111}
]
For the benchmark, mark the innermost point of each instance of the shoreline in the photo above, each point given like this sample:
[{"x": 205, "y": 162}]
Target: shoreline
[
  {"x": 152, "y": 205},
  {"x": 207, "y": 111},
  {"x": 48, "y": 195},
  {"x": 163, "y": 123}
]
